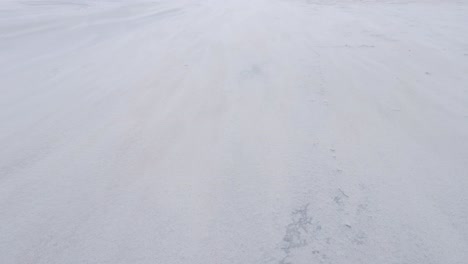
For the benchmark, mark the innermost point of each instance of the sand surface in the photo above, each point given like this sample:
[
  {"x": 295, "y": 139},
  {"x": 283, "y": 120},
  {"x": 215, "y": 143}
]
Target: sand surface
[{"x": 235, "y": 131}]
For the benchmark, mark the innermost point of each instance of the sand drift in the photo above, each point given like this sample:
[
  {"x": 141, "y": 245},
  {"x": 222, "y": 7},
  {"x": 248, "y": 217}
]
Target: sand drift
[{"x": 248, "y": 131}]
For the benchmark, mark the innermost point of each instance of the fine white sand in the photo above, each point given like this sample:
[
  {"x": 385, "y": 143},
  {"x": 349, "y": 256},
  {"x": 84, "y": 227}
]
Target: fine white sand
[{"x": 233, "y": 131}]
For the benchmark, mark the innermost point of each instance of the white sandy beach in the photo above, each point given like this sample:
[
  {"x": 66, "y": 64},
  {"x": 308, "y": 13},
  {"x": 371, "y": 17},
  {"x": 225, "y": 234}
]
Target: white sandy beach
[{"x": 233, "y": 132}]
